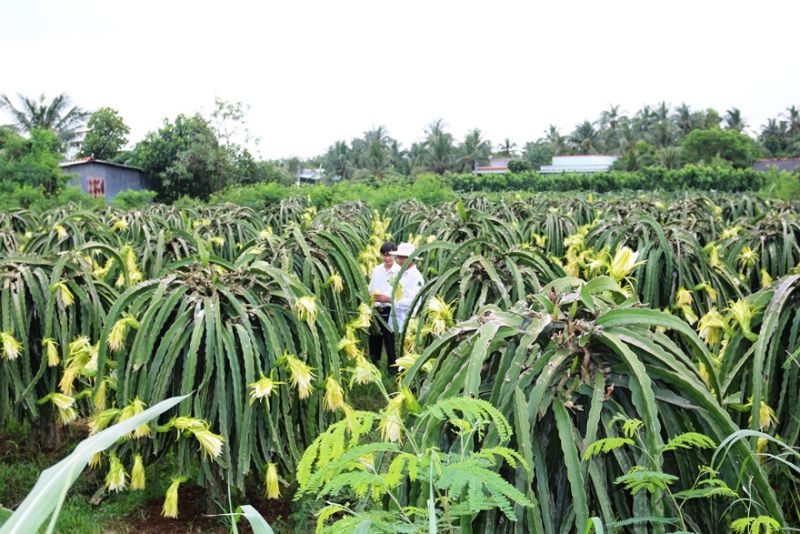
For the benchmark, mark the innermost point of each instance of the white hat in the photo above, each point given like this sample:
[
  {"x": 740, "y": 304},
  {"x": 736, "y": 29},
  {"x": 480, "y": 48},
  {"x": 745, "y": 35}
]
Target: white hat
[{"x": 404, "y": 249}]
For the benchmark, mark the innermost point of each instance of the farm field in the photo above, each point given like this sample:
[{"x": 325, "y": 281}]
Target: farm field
[{"x": 598, "y": 363}]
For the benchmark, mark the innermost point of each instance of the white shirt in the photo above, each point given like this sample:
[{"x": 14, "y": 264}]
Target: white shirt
[
  {"x": 381, "y": 281},
  {"x": 410, "y": 284}
]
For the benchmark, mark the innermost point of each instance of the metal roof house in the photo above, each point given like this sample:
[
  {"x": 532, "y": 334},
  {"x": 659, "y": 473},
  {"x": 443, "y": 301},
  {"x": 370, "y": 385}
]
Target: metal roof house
[
  {"x": 782, "y": 164},
  {"x": 495, "y": 166},
  {"x": 309, "y": 176},
  {"x": 103, "y": 178},
  {"x": 582, "y": 164}
]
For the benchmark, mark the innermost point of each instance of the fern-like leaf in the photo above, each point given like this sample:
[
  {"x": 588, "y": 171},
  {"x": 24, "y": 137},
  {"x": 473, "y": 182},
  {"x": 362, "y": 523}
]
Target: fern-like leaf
[
  {"x": 511, "y": 456},
  {"x": 638, "y": 479},
  {"x": 476, "y": 411},
  {"x": 485, "y": 489},
  {"x": 605, "y": 445},
  {"x": 762, "y": 524},
  {"x": 629, "y": 426},
  {"x": 690, "y": 440}
]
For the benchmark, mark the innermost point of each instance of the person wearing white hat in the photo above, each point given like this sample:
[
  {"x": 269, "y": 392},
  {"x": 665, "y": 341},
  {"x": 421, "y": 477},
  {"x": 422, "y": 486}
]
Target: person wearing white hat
[{"x": 408, "y": 287}]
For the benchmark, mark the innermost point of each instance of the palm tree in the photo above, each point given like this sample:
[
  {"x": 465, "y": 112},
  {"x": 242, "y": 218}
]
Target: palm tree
[
  {"x": 474, "y": 149},
  {"x": 775, "y": 136},
  {"x": 554, "y": 140},
  {"x": 684, "y": 119},
  {"x": 611, "y": 122},
  {"x": 337, "y": 160},
  {"x": 585, "y": 138},
  {"x": 398, "y": 157},
  {"x": 642, "y": 121},
  {"x": 507, "y": 148},
  {"x": 440, "y": 148},
  {"x": 58, "y": 116},
  {"x": 375, "y": 156},
  {"x": 793, "y": 116},
  {"x": 734, "y": 120},
  {"x": 662, "y": 133}
]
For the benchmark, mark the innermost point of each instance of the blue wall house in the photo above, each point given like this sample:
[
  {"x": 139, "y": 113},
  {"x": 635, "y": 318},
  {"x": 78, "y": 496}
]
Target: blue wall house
[{"x": 104, "y": 179}]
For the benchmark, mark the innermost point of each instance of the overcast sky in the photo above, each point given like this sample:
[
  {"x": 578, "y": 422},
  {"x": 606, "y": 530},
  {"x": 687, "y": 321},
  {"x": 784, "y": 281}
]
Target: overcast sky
[{"x": 315, "y": 72}]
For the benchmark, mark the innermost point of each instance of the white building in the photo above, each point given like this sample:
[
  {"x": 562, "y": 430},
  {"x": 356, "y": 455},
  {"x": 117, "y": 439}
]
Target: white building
[
  {"x": 495, "y": 166},
  {"x": 585, "y": 164}
]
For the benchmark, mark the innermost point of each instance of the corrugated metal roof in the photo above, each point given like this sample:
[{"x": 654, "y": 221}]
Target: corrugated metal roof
[
  {"x": 84, "y": 161},
  {"x": 783, "y": 164}
]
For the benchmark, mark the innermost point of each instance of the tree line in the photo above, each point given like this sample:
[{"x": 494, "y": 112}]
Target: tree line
[{"x": 196, "y": 155}]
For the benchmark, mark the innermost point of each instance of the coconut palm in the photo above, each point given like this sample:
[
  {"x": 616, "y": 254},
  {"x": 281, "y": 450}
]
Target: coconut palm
[
  {"x": 684, "y": 119},
  {"x": 585, "y": 138},
  {"x": 555, "y": 140},
  {"x": 733, "y": 120},
  {"x": 57, "y": 115},
  {"x": 337, "y": 160},
  {"x": 474, "y": 149},
  {"x": 507, "y": 148},
  {"x": 440, "y": 147},
  {"x": 774, "y": 136},
  {"x": 375, "y": 156},
  {"x": 793, "y": 117}
]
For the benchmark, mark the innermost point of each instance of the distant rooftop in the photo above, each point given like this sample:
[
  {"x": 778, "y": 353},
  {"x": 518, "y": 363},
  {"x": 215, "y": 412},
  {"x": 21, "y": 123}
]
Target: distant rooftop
[
  {"x": 84, "y": 161},
  {"x": 782, "y": 164},
  {"x": 580, "y": 163}
]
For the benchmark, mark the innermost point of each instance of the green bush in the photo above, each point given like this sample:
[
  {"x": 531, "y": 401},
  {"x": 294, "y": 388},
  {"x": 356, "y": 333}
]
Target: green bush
[
  {"x": 427, "y": 188},
  {"x": 14, "y": 196},
  {"x": 133, "y": 199},
  {"x": 650, "y": 178},
  {"x": 781, "y": 185}
]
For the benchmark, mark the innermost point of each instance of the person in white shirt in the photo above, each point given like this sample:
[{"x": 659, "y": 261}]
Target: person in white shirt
[
  {"x": 380, "y": 289},
  {"x": 408, "y": 286}
]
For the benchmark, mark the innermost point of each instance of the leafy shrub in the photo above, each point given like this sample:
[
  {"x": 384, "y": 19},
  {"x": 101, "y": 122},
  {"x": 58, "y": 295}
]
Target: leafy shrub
[{"x": 132, "y": 199}]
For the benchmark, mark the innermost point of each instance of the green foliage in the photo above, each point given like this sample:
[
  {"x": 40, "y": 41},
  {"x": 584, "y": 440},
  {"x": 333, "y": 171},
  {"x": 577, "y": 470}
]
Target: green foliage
[
  {"x": 638, "y": 478},
  {"x": 781, "y": 185},
  {"x": 57, "y": 116},
  {"x": 519, "y": 165},
  {"x": 689, "y": 440},
  {"x": 107, "y": 135},
  {"x": 337, "y": 463},
  {"x": 48, "y": 495},
  {"x": 645, "y": 179},
  {"x": 605, "y": 445},
  {"x": 761, "y": 524},
  {"x": 133, "y": 199},
  {"x": 184, "y": 157},
  {"x": 32, "y": 162},
  {"x": 728, "y": 145}
]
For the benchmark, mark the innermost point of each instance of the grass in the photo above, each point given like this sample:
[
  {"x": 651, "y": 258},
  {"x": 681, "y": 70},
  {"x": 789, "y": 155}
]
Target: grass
[{"x": 22, "y": 462}]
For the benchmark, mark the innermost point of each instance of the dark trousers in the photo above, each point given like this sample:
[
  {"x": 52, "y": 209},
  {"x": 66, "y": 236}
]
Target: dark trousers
[{"x": 381, "y": 335}]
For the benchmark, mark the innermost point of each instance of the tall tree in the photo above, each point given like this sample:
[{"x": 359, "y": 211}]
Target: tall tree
[
  {"x": 555, "y": 140},
  {"x": 684, "y": 119},
  {"x": 585, "y": 138},
  {"x": 733, "y": 120},
  {"x": 375, "y": 156},
  {"x": 611, "y": 124},
  {"x": 793, "y": 119},
  {"x": 474, "y": 149},
  {"x": 507, "y": 148},
  {"x": 107, "y": 134},
  {"x": 58, "y": 115},
  {"x": 440, "y": 147},
  {"x": 184, "y": 157},
  {"x": 337, "y": 160},
  {"x": 710, "y": 145},
  {"x": 775, "y": 137},
  {"x": 31, "y": 161}
]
